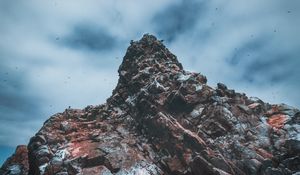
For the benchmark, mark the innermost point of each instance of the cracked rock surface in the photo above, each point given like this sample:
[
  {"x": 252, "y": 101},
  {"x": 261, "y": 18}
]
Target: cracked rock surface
[{"x": 163, "y": 120}]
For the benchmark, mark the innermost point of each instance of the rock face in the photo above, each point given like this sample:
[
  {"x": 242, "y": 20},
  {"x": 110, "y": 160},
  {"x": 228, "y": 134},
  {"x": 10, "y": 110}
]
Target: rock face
[
  {"x": 17, "y": 163},
  {"x": 161, "y": 119}
]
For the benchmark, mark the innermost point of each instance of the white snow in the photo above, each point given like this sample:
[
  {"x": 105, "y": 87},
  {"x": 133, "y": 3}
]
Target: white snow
[
  {"x": 146, "y": 70},
  {"x": 256, "y": 99},
  {"x": 42, "y": 168},
  {"x": 130, "y": 100},
  {"x": 123, "y": 72},
  {"x": 198, "y": 87},
  {"x": 60, "y": 155},
  {"x": 196, "y": 112},
  {"x": 118, "y": 110},
  {"x": 263, "y": 133},
  {"x": 141, "y": 168},
  {"x": 183, "y": 77},
  {"x": 294, "y": 131},
  {"x": 14, "y": 169},
  {"x": 158, "y": 85}
]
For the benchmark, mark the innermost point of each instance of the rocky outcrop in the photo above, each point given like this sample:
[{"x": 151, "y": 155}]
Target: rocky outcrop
[
  {"x": 17, "y": 163},
  {"x": 162, "y": 119}
]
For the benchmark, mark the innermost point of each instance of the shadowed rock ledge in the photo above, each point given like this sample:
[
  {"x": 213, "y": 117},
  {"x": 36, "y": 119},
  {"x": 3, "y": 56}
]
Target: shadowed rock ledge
[{"x": 162, "y": 119}]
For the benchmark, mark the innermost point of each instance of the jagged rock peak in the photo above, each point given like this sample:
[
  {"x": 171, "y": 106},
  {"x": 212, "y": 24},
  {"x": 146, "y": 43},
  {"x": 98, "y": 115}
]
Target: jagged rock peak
[
  {"x": 162, "y": 120},
  {"x": 149, "y": 55},
  {"x": 149, "y": 61}
]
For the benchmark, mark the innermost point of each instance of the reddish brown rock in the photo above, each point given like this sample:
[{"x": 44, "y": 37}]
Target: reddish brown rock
[
  {"x": 277, "y": 120},
  {"x": 162, "y": 119},
  {"x": 17, "y": 163}
]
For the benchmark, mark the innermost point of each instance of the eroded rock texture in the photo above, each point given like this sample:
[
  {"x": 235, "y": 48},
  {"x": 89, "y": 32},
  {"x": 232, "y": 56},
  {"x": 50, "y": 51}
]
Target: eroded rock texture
[{"x": 161, "y": 119}]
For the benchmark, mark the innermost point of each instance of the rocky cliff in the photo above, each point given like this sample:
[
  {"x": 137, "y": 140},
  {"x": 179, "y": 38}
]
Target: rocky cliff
[{"x": 162, "y": 119}]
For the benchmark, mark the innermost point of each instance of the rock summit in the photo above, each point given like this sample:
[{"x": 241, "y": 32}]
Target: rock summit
[{"x": 163, "y": 120}]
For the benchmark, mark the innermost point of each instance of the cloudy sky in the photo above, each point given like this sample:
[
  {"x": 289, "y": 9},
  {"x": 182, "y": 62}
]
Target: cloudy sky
[{"x": 58, "y": 53}]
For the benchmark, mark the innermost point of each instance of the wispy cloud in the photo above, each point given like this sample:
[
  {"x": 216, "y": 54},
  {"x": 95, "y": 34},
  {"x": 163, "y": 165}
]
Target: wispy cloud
[
  {"x": 89, "y": 37},
  {"x": 178, "y": 18}
]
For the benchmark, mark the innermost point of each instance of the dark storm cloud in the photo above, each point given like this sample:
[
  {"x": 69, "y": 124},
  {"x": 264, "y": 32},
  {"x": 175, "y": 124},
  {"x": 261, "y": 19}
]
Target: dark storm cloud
[
  {"x": 246, "y": 51},
  {"x": 15, "y": 101},
  {"x": 177, "y": 18},
  {"x": 89, "y": 37},
  {"x": 19, "y": 106},
  {"x": 269, "y": 70},
  {"x": 262, "y": 63}
]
